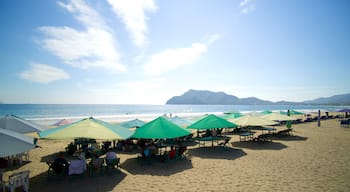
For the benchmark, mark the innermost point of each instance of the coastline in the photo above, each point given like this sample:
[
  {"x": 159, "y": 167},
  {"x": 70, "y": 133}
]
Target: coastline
[{"x": 47, "y": 114}]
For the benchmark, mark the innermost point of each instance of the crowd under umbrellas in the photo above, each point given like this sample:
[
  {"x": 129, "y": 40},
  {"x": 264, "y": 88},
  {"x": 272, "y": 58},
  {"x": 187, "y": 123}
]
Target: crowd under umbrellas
[{"x": 162, "y": 129}]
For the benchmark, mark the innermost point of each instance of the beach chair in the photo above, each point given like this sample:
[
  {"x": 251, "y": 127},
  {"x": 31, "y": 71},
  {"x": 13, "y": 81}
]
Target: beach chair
[
  {"x": 56, "y": 169},
  {"x": 2, "y": 182},
  {"x": 20, "y": 179},
  {"x": 224, "y": 143}
]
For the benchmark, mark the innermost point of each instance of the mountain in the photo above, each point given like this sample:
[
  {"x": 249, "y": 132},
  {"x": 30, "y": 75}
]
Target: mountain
[
  {"x": 199, "y": 97},
  {"x": 343, "y": 99}
]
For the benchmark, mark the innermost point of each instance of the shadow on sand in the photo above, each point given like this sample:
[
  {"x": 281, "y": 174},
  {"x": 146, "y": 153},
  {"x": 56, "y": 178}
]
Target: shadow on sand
[
  {"x": 217, "y": 152},
  {"x": 134, "y": 166},
  {"x": 291, "y": 138},
  {"x": 104, "y": 182},
  {"x": 259, "y": 145}
]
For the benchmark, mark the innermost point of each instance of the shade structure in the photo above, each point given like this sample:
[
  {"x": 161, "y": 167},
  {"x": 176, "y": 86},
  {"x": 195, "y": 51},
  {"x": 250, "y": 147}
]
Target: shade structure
[
  {"x": 278, "y": 117},
  {"x": 211, "y": 122},
  {"x": 233, "y": 115},
  {"x": 62, "y": 122},
  {"x": 160, "y": 128},
  {"x": 266, "y": 112},
  {"x": 251, "y": 120},
  {"x": 132, "y": 123},
  {"x": 345, "y": 110},
  {"x": 19, "y": 125},
  {"x": 291, "y": 112},
  {"x": 12, "y": 143},
  {"x": 90, "y": 128},
  {"x": 180, "y": 121}
]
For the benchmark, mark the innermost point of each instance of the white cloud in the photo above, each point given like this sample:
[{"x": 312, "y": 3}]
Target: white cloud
[
  {"x": 92, "y": 47},
  {"x": 247, "y": 6},
  {"x": 173, "y": 58},
  {"x": 133, "y": 15},
  {"x": 41, "y": 73},
  {"x": 145, "y": 91}
]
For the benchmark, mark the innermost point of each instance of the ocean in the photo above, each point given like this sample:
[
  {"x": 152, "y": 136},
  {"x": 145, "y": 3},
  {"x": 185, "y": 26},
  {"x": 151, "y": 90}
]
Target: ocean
[{"x": 47, "y": 114}]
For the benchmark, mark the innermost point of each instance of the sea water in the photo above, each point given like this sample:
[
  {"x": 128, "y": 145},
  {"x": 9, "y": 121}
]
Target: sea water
[{"x": 47, "y": 114}]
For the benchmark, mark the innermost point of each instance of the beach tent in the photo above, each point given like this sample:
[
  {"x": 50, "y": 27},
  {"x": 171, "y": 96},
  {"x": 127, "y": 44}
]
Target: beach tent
[
  {"x": 251, "y": 120},
  {"x": 291, "y": 112},
  {"x": 62, "y": 122},
  {"x": 278, "y": 117},
  {"x": 266, "y": 112},
  {"x": 89, "y": 128},
  {"x": 160, "y": 128},
  {"x": 345, "y": 110},
  {"x": 19, "y": 125},
  {"x": 135, "y": 123},
  {"x": 232, "y": 115},
  {"x": 12, "y": 143},
  {"x": 211, "y": 122},
  {"x": 180, "y": 121}
]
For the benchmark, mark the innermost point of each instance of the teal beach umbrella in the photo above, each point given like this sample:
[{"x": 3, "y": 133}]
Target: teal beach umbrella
[{"x": 160, "y": 128}]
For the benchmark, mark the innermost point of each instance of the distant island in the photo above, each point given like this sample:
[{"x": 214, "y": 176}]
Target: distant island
[{"x": 204, "y": 97}]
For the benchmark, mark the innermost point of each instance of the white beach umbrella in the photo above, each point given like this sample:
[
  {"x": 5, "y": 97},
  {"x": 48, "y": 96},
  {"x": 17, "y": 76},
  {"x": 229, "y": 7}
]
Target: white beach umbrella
[
  {"x": 19, "y": 125},
  {"x": 12, "y": 143}
]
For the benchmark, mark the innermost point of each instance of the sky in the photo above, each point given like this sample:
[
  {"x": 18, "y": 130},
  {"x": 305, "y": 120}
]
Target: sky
[{"x": 146, "y": 51}]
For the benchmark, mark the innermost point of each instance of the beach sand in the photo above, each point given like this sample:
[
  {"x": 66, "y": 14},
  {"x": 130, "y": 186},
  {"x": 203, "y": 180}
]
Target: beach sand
[{"x": 314, "y": 159}]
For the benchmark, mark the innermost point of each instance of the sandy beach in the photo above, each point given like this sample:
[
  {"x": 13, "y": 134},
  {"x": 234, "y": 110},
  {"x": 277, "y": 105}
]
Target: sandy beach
[{"x": 314, "y": 159}]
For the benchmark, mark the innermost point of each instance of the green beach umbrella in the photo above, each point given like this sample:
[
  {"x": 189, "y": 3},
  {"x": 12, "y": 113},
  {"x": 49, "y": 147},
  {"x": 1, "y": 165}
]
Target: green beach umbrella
[
  {"x": 132, "y": 123},
  {"x": 160, "y": 128},
  {"x": 291, "y": 112},
  {"x": 266, "y": 112},
  {"x": 87, "y": 128},
  {"x": 180, "y": 121},
  {"x": 278, "y": 117},
  {"x": 211, "y": 122},
  {"x": 232, "y": 115},
  {"x": 251, "y": 120}
]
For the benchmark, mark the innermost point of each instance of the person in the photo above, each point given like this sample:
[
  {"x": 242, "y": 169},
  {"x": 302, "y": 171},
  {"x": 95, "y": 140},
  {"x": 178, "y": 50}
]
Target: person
[
  {"x": 61, "y": 160},
  {"x": 110, "y": 155},
  {"x": 172, "y": 153},
  {"x": 60, "y": 164}
]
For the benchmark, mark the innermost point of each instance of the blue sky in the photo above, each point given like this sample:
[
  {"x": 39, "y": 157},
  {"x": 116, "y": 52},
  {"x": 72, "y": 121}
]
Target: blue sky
[{"x": 144, "y": 52}]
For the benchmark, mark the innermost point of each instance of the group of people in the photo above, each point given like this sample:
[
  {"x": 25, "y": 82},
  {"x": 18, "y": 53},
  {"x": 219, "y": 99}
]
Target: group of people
[{"x": 62, "y": 164}]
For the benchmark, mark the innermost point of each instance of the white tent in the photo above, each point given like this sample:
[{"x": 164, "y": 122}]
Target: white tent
[
  {"x": 19, "y": 125},
  {"x": 12, "y": 143}
]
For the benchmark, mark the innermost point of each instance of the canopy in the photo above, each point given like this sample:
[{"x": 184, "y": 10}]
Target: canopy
[
  {"x": 278, "y": 117},
  {"x": 62, "y": 122},
  {"x": 160, "y": 128},
  {"x": 232, "y": 115},
  {"x": 345, "y": 110},
  {"x": 211, "y": 122},
  {"x": 250, "y": 120},
  {"x": 266, "y": 112},
  {"x": 87, "y": 128},
  {"x": 12, "y": 143},
  {"x": 291, "y": 112},
  {"x": 132, "y": 123},
  {"x": 180, "y": 121},
  {"x": 19, "y": 125}
]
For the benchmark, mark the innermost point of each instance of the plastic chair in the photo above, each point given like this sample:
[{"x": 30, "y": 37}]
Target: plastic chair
[{"x": 19, "y": 179}]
